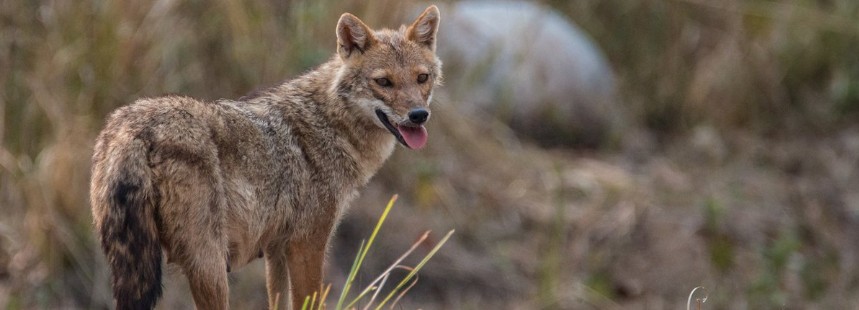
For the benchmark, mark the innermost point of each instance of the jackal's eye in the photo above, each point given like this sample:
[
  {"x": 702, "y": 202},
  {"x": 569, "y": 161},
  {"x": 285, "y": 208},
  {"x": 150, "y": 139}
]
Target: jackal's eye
[
  {"x": 422, "y": 78},
  {"x": 384, "y": 82}
]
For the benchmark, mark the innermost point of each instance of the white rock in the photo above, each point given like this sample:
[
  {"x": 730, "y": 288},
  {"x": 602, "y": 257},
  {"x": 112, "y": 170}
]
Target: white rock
[{"x": 530, "y": 67}]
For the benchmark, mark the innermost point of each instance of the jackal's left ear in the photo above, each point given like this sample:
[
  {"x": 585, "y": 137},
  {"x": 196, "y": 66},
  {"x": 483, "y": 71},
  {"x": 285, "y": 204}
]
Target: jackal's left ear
[
  {"x": 353, "y": 35},
  {"x": 424, "y": 28}
]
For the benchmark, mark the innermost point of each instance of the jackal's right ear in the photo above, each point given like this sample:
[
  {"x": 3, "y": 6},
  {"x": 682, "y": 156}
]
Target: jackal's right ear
[{"x": 353, "y": 35}]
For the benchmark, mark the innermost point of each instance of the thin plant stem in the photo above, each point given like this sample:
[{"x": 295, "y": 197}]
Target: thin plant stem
[
  {"x": 390, "y": 268},
  {"x": 417, "y": 268}
]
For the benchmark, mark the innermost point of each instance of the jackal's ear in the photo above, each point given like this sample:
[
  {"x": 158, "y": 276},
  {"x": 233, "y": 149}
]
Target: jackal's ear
[
  {"x": 353, "y": 35},
  {"x": 424, "y": 28}
]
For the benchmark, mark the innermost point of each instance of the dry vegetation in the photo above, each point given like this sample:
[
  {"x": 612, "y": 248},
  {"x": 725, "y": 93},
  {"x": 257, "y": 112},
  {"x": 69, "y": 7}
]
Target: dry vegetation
[{"x": 736, "y": 169}]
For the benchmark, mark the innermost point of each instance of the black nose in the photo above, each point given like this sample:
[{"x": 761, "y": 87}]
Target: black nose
[{"x": 418, "y": 116}]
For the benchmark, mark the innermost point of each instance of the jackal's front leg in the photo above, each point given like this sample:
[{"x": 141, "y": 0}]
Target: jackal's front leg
[
  {"x": 305, "y": 259},
  {"x": 277, "y": 278}
]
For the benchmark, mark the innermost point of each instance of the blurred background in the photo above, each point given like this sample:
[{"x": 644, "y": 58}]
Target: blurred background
[{"x": 591, "y": 154}]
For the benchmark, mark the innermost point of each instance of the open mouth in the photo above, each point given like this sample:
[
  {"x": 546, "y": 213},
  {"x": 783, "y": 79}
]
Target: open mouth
[{"x": 412, "y": 136}]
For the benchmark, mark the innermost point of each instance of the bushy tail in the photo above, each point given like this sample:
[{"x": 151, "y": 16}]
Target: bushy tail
[{"x": 124, "y": 204}]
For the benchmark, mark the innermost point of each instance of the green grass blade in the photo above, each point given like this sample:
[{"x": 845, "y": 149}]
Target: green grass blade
[
  {"x": 306, "y": 303},
  {"x": 363, "y": 253},
  {"x": 352, "y": 270}
]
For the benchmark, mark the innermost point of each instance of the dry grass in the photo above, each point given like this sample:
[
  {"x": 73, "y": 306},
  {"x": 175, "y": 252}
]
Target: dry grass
[{"x": 737, "y": 169}]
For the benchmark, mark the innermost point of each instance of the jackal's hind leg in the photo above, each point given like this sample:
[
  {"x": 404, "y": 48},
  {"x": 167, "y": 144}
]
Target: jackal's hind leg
[
  {"x": 192, "y": 228},
  {"x": 208, "y": 279}
]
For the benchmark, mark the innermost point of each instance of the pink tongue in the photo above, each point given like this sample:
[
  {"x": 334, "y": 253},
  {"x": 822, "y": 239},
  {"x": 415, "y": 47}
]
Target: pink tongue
[{"x": 416, "y": 137}]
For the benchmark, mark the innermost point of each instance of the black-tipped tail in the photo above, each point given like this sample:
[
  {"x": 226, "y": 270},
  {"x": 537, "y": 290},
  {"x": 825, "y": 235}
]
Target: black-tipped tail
[{"x": 129, "y": 234}]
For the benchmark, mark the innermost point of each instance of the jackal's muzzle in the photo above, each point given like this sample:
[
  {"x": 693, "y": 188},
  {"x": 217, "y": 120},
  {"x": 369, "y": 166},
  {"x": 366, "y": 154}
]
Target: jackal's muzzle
[{"x": 410, "y": 132}]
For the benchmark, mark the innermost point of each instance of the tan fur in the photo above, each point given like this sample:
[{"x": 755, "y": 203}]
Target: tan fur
[{"x": 215, "y": 185}]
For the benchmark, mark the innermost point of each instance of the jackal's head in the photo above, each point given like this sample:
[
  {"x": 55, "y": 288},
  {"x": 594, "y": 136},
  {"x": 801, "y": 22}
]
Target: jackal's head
[{"x": 390, "y": 74}]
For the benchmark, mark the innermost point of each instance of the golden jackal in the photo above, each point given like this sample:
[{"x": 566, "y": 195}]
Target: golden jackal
[{"x": 214, "y": 185}]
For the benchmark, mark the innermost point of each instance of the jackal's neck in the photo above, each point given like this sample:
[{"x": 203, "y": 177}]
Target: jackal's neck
[{"x": 325, "y": 90}]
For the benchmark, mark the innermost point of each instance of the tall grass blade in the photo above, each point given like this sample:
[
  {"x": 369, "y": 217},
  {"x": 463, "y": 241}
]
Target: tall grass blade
[
  {"x": 306, "y": 303},
  {"x": 324, "y": 297},
  {"x": 312, "y": 301},
  {"x": 363, "y": 253}
]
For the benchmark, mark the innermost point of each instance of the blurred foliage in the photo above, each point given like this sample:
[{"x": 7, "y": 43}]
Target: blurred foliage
[
  {"x": 754, "y": 64},
  {"x": 720, "y": 245}
]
